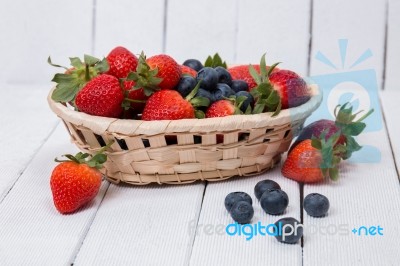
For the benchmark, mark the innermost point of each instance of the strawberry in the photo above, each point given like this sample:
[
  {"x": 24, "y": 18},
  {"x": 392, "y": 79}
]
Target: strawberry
[
  {"x": 185, "y": 70},
  {"x": 102, "y": 96},
  {"x": 170, "y": 105},
  {"x": 76, "y": 181},
  {"x": 344, "y": 125},
  {"x": 168, "y": 70},
  {"x": 292, "y": 89},
  {"x": 121, "y": 62},
  {"x": 75, "y": 78},
  {"x": 135, "y": 97},
  {"x": 226, "y": 107},
  {"x": 241, "y": 72},
  {"x": 313, "y": 160}
]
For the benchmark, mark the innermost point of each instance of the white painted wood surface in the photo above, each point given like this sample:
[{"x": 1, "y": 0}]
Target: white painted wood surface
[
  {"x": 25, "y": 124},
  {"x": 391, "y": 107},
  {"x": 361, "y": 22},
  {"x": 33, "y": 30},
  {"x": 392, "y": 81},
  {"x": 278, "y": 28},
  {"x": 138, "y": 25}
]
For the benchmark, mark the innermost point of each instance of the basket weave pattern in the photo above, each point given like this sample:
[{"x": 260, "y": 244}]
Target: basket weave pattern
[{"x": 183, "y": 151}]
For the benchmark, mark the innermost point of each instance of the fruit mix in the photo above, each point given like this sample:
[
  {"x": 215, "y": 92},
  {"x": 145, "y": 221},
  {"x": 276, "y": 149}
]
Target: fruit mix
[{"x": 124, "y": 85}]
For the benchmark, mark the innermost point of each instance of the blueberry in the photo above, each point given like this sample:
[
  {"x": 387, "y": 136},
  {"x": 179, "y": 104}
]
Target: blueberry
[
  {"x": 205, "y": 93},
  {"x": 208, "y": 77},
  {"x": 263, "y": 186},
  {"x": 234, "y": 197},
  {"x": 186, "y": 85},
  {"x": 193, "y": 64},
  {"x": 223, "y": 75},
  {"x": 222, "y": 91},
  {"x": 289, "y": 234},
  {"x": 316, "y": 205},
  {"x": 247, "y": 102},
  {"x": 242, "y": 212},
  {"x": 274, "y": 201},
  {"x": 239, "y": 85}
]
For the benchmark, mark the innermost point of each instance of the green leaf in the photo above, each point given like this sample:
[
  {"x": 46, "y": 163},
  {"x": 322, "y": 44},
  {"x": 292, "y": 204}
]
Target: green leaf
[
  {"x": 54, "y": 65},
  {"x": 193, "y": 92},
  {"x": 258, "y": 108},
  {"x": 76, "y": 62},
  {"x": 200, "y": 101},
  {"x": 248, "y": 110},
  {"x": 99, "y": 158},
  {"x": 264, "y": 89},
  {"x": 316, "y": 143},
  {"x": 90, "y": 60},
  {"x": 254, "y": 74},
  {"x": 271, "y": 68},
  {"x": 263, "y": 67},
  {"x": 65, "y": 92},
  {"x": 334, "y": 174},
  {"x": 102, "y": 66},
  {"x": 199, "y": 114},
  {"x": 354, "y": 129},
  {"x": 208, "y": 62},
  {"x": 273, "y": 99},
  {"x": 278, "y": 109}
]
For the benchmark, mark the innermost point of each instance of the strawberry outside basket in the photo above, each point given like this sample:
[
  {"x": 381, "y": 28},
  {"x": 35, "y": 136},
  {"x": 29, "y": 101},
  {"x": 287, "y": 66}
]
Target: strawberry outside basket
[{"x": 183, "y": 151}]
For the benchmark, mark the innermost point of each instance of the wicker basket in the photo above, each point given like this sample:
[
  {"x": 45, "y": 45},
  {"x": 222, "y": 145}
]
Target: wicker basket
[{"x": 183, "y": 151}]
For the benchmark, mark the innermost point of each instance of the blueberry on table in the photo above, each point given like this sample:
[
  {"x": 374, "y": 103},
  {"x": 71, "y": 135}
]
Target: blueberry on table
[
  {"x": 222, "y": 91},
  {"x": 234, "y": 197},
  {"x": 239, "y": 85},
  {"x": 242, "y": 212},
  {"x": 193, "y": 64},
  {"x": 316, "y": 205},
  {"x": 291, "y": 233},
  {"x": 263, "y": 186},
  {"x": 205, "y": 93},
  {"x": 246, "y": 103},
  {"x": 186, "y": 85},
  {"x": 274, "y": 201},
  {"x": 223, "y": 75},
  {"x": 208, "y": 77}
]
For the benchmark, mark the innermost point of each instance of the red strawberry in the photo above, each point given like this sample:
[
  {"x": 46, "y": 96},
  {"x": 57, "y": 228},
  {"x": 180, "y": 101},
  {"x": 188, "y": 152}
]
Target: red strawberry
[
  {"x": 168, "y": 70},
  {"x": 222, "y": 108},
  {"x": 241, "y": 72},
  {"x": 344, "y": 125},
  {"x": 291, "y": 87},
  {"x": 76, "y": 181},
  {"x": 313, "y": 160},
  {"x": 121, "y": 62},
  {"x": 170, "y": 105},
  {"x": 73, "y": 79},
  {"x": 188, "y": 71},
  {"x": 135, "y": 95},
  {"x": 102, "y": 96}
]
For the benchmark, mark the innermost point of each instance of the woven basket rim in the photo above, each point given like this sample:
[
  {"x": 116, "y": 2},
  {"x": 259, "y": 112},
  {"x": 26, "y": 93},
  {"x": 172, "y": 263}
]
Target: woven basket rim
[{"x": 100, "y": 125}]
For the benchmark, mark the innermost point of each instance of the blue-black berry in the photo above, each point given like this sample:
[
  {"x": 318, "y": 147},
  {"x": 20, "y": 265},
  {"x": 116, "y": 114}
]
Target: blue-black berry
[
  {"x": 186, "y": 85},
  {"x": 246, "y": 103},
  {"x": 290, "y": 231},
  {"x": 242, "y": 212},
  {"x": 239, "y": 85},
  {"x": 234, "y": 197},
  {"x": 222, "y": 91},
  {"x": 263, "y": 186},
  {"x": 193, "y": 64},
  {"x": 274, "y": 201},
  {"x": 316, "y": 205},
  {"x": 208, "y": 77},
  {"x": 223, "y": 75}
]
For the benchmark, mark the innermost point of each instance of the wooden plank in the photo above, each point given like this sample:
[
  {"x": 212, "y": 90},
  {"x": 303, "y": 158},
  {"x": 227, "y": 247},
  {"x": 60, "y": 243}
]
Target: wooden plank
[
  {"x": 392, "y": 80},
  {"x": 143, "y": 226},
  {"x": 196, "y": 29},
  {"x": 278, "y": 28},
  {"x": 31, "y": 31},
  {"x": 213, "y": 246},
  {"x": 32, "y": 231},
  {"x": 26, "y": 122},
  {"x": 136, "y": 25},
  {"x": 391, "y": 108},
  {"x": 361, "y": 22}
]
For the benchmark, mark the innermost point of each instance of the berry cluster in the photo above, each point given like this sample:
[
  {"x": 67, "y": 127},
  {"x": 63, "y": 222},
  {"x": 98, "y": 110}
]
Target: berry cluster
[{"x": 124, "y": 85}]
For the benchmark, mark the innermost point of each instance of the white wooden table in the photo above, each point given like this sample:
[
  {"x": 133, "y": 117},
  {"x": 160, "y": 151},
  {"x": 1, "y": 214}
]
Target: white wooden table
[{"x": 181, "y": 225}]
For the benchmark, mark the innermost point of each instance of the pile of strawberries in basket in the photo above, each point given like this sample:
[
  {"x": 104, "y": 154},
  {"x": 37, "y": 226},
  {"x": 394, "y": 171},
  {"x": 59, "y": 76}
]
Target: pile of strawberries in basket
[{"x": 124, "y": 85}]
